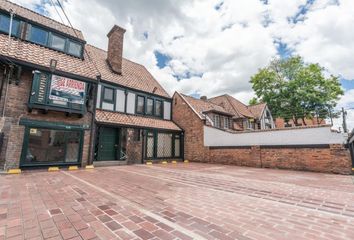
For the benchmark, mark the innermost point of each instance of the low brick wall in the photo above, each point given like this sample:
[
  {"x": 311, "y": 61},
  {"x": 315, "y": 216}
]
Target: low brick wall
[{"x": 333, "y": 158}]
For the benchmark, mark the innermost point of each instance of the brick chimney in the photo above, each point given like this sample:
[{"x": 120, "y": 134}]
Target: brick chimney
[
  {"x": 204, "y": 98},
  {"x": 115, "y": 48}
]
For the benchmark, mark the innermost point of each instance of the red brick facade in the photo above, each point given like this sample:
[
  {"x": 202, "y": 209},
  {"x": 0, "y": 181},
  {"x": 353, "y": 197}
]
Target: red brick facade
[
  {"x": 331, "y": 158},
  {"x": 16, "y": 109}
]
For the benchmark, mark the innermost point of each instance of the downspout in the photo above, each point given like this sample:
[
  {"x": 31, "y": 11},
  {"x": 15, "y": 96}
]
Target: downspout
[
  {"x": 93, "y": 125},
  {"x": 10, "y": 68}
]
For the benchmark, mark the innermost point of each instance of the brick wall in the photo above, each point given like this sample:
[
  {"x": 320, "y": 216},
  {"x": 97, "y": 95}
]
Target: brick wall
[
  {"x": 134, "y": 146},
  {"x": 188, "y": 120},
  {"x": 332, "y": 159},
  {"x": 16, "y": 108}
]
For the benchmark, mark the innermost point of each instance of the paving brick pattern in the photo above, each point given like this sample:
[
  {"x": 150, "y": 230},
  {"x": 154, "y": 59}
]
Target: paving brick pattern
[{"x": 176, "y": 201}]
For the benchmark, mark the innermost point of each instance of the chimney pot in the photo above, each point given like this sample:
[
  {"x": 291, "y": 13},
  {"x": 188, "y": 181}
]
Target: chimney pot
[
  {"x": 204, "y": 98},
  {"x": 115, "y": 48}
]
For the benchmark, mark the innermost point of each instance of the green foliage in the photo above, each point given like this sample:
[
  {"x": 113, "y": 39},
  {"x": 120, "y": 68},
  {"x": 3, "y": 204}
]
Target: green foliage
[
  {"x": 295, "y": 90},
  {"x": 253, "y": 101}
]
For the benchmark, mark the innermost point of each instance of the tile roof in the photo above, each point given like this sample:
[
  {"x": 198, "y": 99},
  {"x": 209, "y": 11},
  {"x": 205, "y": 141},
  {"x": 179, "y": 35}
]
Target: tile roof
[
  {"x": 38, "y": 18},
  {"x": 133, "y": 75},
  {"x": 38, "y": 55},
  {"x": 234, "y": 106},
  {"x": 201, "y": 106},
  {"x": 257, "y": 109},
  {"x": 134, "y": 120}
]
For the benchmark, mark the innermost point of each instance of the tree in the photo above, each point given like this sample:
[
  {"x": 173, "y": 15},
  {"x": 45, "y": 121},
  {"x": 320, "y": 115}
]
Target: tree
[
  {"x": 296, "y": 90},
  {"x": 253, "y": 101}
]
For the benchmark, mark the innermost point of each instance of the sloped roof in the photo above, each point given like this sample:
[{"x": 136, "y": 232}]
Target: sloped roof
[
  {"x": 134, "y": 120},
  {"x": 38, "y": 55},
  {"x": 257, "y": 109},
  {"x": 133, "y": 74},
  {"x": 202, "y": 106},
  {"x": 38, "y": 18},
  {"x": 232, "y": 105}
]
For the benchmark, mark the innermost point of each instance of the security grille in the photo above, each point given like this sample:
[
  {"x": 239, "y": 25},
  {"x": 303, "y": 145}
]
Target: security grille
[
  {"x": 164, "y": 145},
  {"x": 150, "y": 145}
]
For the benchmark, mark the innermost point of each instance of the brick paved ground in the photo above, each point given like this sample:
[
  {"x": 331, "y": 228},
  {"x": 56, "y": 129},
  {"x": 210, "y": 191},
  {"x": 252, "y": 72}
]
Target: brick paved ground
[{"x": 183, "y": 201}]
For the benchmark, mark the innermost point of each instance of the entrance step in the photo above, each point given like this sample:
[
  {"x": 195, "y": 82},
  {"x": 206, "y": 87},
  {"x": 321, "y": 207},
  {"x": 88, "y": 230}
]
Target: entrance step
[{"x": 109, "y": 163}]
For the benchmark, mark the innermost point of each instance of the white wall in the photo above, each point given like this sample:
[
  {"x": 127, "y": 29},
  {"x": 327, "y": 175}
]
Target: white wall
[
  {"x": 131, "y": 103},
  {"x": 98, "y": 96},
  {"x": 166, "y": 110},
  {"x": 304, "y": 136},
  {"x": 120, "y": 100}
]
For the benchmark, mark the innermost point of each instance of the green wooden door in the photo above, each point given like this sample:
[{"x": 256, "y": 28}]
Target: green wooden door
[{"x": 108, "y": 144}]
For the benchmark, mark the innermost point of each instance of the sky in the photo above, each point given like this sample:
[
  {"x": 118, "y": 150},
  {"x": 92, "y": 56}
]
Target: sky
[{"x": 212, "y": 47}]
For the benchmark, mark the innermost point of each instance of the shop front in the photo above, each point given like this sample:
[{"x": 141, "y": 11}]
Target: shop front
[{"x": 49, "y": 143}]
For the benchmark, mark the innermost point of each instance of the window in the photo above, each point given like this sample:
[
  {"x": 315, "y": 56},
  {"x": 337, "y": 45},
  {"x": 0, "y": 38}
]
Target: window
[
  {"x": 108, "y": 94},
  {"x": 177, "y": 146},
  {"x": 74, "y": 49},
  {"x": 140, "y": 105},
  {"x": 226, "y": 123},
  {"x": 58, "y": 42},
  {"x": 217, "y": 121},
  {"x": 52, "y": 146},
  {"x": 5, "y": 25},
  {"x": 150, "y": 145},
  {"x": 158, "y": 108},
  {"x": 38, "y": 35},
  {"x": 150, "y": 106}
]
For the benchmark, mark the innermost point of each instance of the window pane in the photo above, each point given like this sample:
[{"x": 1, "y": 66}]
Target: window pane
[
  {"x": 177, "y": 147},
  {"x": 74, "y": 49},
  {"x": 48, "y": 145},
  {"x": 108, "y": 94},
  {"x": 58, "y": 42},
  {"x": 150, "y": 106},
  {"x": 158, "y": 108},
  {"x": 140, "y": 105},
  {"x": 5, "y": 25},
  {"x": 39, "y": 35}
]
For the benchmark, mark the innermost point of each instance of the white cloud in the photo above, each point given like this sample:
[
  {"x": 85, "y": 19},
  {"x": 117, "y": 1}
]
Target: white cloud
[{"x": 219, "y": 49}]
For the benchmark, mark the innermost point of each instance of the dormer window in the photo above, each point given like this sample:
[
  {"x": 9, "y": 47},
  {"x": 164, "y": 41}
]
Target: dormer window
[
  {"x": 38, "y": 36},
  {"x": 58, "y": 42},
  {"x": 5, "y": 25},
  {"x": 74, "y": 48}
]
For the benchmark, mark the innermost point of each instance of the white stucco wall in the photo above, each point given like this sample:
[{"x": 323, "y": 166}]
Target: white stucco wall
[
  {"x": 120, "y": 100},
  {"x": 167, "y": 110},
  {"x": 131, "y": 103},
  {"x": 304, "y": 136}
]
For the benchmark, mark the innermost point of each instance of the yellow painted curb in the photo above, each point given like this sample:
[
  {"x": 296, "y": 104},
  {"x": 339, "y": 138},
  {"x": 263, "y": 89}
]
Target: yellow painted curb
[
  {"x": 53, "y": 169},
  {"x": 89, "y": 167},
  {"x": 186, "y": 161},
  {"x": 72, "y": 168},
  {"x": 164, "y": 162},
  {"x": 174, "y": 162},
  {"x": 14, "y": 171},
  {"x": 148, "y": 163}
]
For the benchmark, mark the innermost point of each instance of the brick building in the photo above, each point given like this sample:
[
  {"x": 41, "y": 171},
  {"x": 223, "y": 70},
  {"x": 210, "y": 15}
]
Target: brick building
[
  {"x": 51, "y": 83},
  {"x": 300, "y": 148},
  {"x": 252, "y": 117}
]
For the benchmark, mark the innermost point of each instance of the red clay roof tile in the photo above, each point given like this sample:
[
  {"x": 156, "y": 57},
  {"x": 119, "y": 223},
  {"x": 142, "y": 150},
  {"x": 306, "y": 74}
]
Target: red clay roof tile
[{"x": 134, "y": 120}]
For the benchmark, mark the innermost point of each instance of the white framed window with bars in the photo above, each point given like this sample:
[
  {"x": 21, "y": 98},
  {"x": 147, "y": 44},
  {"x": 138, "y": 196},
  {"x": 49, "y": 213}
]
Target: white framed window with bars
[{"x": 217, "y": 121}]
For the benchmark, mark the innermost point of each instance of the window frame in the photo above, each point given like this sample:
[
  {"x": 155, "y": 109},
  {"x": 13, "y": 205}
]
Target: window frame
[
  {"x": 17, "y": 32},
  {"x": 58, "y": 36},
  {"x": 143, "y": 112},
  {"x": 217, "y": 123},
  {"x": 50, "y": 126},
  {"x": 29, "y": 37},
  {"x": 153, "y": 106},
  {"x": 68, "y": 42}
]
